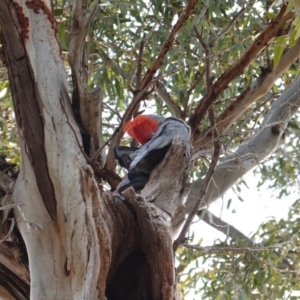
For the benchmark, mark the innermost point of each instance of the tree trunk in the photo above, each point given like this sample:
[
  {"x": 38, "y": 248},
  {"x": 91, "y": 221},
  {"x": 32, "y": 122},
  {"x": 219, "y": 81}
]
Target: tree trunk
[{"x": 81, "y": 243}]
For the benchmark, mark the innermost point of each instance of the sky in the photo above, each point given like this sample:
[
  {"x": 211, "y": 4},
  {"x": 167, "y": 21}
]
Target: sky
[{"x": 258, "y": 206}]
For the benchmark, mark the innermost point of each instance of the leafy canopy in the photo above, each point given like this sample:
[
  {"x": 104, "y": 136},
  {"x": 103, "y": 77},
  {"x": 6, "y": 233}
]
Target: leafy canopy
[{"x": 213, "y": 38}]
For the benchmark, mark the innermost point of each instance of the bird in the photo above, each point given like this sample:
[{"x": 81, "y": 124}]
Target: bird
[{"x": 155, "y": 134}]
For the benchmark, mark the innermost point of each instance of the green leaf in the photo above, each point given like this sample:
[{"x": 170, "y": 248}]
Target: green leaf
[
  {"x": 123, "y": 8},
  {"x": 229, "y": 203},
  {"x": 62, "y": 36},
  {"x": 279, "y": 48}
]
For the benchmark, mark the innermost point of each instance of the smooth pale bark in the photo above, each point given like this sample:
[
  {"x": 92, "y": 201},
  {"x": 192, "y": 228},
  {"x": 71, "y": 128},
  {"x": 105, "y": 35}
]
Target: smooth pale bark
[
  {"x": 55, "y": 219},
  {"x": 82, "y": 244},
  {"x": 255, "y": 151}
]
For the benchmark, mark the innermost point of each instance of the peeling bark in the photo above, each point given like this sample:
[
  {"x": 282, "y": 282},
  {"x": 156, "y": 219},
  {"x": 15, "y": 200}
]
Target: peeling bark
[
  {"x": 14, "y": 274},
  {"x": 147, "y": 272},
  {"x": 50, "y": 181},
  {"x": 27, "y": 103},
  {"x": 80, "y": 244},
  {"x": 74, "y": 241}
]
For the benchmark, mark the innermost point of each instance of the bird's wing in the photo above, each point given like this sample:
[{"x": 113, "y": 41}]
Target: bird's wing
[
  {"x": 125, "y": 155},
  {"x": 161, "y": 138}
]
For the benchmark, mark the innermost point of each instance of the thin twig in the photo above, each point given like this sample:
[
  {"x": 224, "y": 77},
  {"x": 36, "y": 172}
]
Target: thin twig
[
  {"x": 206, "y": 182},
  {"x": 168, "y": 43},
  {"x": 224, "y": 227},
  {"x": 235, "y": 249},
  {"x": 166, "y": 97},
  {"x": 237, "y": 68},
  {"x": 207, "y": 51},
  {"x": 140, "y": 63},
  {"x": 114, "y": 111},
  {"x": 12, "y": 225},
  {"x": 190, "y": 90},
  {"x": 212, "y": 41},
  {"x": 116, "y": 68},
  {"x": 203, "y": 11},
  {"x": 139, "y": 74}
]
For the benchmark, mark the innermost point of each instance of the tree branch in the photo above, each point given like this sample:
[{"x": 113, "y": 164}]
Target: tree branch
[
  {"x": 202, "y": 13},
  {"x": 204, "y": 187},
  {"x": 168, "y": 43},
  {"x": 190, "y": 90},
  {"x": 87, "y": 105},
  {"x": 166, "y": 97},
  {"x": 139, "y": 68},
  {"x": 252, "y": 153},
  {"x": 146, "y": 83},
  {"x": 224, "y": 227},
  {"x": 212, "y": 41},
  {"x": 234, "y": 249},
  {"x": 207, "y": 59},
  {"x": 252, "y": 52},
  {"x": 115, "y": 67},
  {"x": 256, "y": 90}
]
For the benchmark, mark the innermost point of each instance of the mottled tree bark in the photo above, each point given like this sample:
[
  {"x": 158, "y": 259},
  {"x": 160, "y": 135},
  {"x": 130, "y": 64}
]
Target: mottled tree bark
[
  {"x": 75, "y": 242},
  {"x": 61, "y": 236}
]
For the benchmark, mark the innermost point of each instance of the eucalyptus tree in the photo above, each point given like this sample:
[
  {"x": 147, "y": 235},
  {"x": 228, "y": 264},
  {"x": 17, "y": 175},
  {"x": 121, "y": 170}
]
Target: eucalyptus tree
[{"x": 75, "y": 73}]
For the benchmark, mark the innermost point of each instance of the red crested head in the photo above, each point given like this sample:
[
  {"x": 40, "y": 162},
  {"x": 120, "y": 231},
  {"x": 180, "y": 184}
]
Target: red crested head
[{"x": 141, "y": 128}]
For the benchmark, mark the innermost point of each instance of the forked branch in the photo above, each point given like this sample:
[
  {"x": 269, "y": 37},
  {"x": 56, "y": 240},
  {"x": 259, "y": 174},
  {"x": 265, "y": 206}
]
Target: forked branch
[
  {"x": 147, "y": 81},
  {"x": 237, "y": 68},
  {"x": 253, "y": 92}
]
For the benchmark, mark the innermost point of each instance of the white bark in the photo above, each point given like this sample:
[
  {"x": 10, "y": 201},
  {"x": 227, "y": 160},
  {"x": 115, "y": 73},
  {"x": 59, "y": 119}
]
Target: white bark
[
  {"x": 63, "y": 265},
  {"x": 255, "y": 151}
]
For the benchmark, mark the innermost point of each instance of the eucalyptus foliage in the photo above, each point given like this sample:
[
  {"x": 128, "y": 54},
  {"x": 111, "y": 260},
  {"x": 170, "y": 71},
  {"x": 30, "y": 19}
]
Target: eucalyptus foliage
[{"x": 214, "y": 37}]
